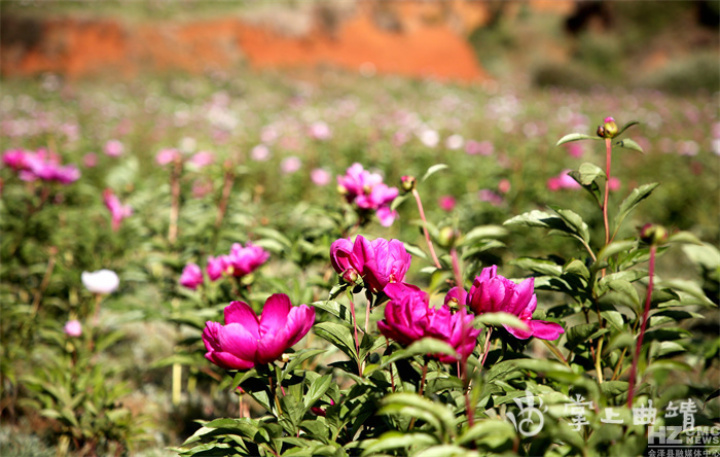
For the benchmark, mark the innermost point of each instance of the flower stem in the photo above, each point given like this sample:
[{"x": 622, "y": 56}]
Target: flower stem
[
  {"x": 357, "y": 342},
  {"x": 638, "y": 347},
  {"x": 416, "y": 194},
  {"x": 175, "y": 203},
  {"x": 556, "y": 351},
  {"x": 222, "y": 207},
  {"x": 486, "y": 347},
  {"x": 608, "y": 157}
]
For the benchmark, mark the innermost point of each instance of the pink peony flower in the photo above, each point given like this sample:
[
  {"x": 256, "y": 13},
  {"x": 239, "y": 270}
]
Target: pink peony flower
[
  {"x": 491, "y": 293},
  {"x": 118, "y": 211},
  {"x": 114, "y": 148},
  {"x": 41, "y": 164},
  {"x": 246, "y": 340},
  {"x": 90, "y": 160},
  {"x": 191, "y": 276},
  {"x": 447, "y": 203},
  {"x": 379, "y": 262},
  {"x": 575, "y": 149},
  {"x": 202, "y": 159},
  {"x": 319, "y": 131},
  {"x": 562, "y": 181},
  {"x": 290, "y": 165},
  {"x": 410, "y": 317},
  {"x": 484, "y": 148},
  {"x": 16, "y": 159},
  {"x": 73, "y": 328},
  {"x": 167, "y": 155},
  {"x": 368, "y": 192},
  {"x": 614, "y": 183},
  {"x": 244, "y": 260},
  {"x": 504, "y": 186},
  {"x": 320, "y": 177},
  {"x": 487, "y": 195},
  {"x": 216, "y": 266},
  {"x": 260, "y": 153}
]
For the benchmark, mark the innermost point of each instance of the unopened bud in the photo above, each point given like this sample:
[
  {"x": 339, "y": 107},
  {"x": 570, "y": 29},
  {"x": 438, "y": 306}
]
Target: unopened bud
[
  {"x": 350, "y": 276},
  {"x": 285, "y": 358},
  {"x": 447, "y": 237},
  {"x": 408, "y": 183},
  {"x": 653, "y": 234},
  {"x": 609, "y": 129},
  {"x": 342, "y": 190}
]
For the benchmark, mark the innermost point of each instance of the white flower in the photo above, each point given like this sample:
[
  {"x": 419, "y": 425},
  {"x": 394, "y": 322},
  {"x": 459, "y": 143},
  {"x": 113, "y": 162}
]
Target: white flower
[{"x": 101, "y": 281}]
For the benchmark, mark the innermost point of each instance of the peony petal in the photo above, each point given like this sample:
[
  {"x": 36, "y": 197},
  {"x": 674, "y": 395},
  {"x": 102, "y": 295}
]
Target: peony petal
[
  {"x": 519, "y": 333},
  {"x": 546, "y": 330},
  {"x": 238, "y": 312},
  {"x": 228, "y": 361},
  {"x": 274, "y": 315},
  {"x": 237, "y": 340}
]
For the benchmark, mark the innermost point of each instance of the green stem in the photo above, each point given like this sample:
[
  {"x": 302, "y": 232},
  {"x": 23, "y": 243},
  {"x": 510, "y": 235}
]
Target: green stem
[{"x": 416, "y": 194}]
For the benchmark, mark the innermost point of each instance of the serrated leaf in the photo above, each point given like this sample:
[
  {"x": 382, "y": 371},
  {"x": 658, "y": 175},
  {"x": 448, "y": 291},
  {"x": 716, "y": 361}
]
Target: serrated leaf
[
  {"x": 434, "y": 169},
  {"x": 575, "y": 137},
  {"x": 627, "y": 143}
]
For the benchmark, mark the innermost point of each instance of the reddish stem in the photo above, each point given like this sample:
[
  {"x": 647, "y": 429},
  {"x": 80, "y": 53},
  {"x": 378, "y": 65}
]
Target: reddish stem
[
  {"x": 638, "y": 347},
  {"x": 222, "y": 207},
  {"x": 608, "y": 157},
  {"x": 175, "y": 203},
  {"x": 425, "y": 230}
]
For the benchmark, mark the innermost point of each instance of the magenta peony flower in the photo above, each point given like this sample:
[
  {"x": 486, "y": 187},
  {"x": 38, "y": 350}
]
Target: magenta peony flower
[
  {"x": 379, "y": 262},
  {"x": 244, "y": 260},
  {"x": 368, "y": 192},
  {"x": 410, "y": 317},
  {"x": 16, "y": 159},
  {"x": 191, "y": 276},
  {"x": 42, "y": 164},
  {"x": 118, "y": 211},
  {"x": 73, "y": 328},
  {"x": 447, "y": 203},
  {"x": 491, "y": 293},
  {"x": 216, "y": 266},
  {"x": 246, "y": 340}
]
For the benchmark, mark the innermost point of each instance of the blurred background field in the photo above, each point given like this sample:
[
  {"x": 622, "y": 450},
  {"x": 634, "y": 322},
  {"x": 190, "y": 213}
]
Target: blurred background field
[{"x": 286, "y": 88}]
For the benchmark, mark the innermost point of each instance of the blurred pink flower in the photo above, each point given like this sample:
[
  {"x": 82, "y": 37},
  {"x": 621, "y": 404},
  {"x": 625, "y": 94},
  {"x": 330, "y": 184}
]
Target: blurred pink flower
[
  {"x": 216, "y": 266},
  {"x": 201, "y": 187},
  {"x": 114, "y": 148},
  {"x": 575, "y": 149},
  {"x": 368, "y": 192},
  {"x": 244, "y": 260},
  {"x": 202, "y": 159},
  {"x": 487, "y": 195},
  {"x": 118, "y": 211},
  {"x": 16, "y": 158},
  {"x": 41, "y": 164},
  {"x": 191, "y": 276},
  {"x": 290, "y": 165},
  {"x": 492, "y": 293},
  {"x": 447, "y": 203},
  {"x": 410, "y": 317},
  {"x": 320, "y": 177},
  {"x": 260, "y": 153},
  {"x": 73, "y": 328},
  {"x": 614, "y": 183},
  {"x": 167, "y": 155},
  {"x": 484, "y": 148},
  {"x": 379, "y": 262},
  {"x": 454, "y": 142},
  {"x": 246, "y": 340},
  {"x": 319, "y": 131},
  {"x": 504, "y": 186},
  {"x": 90, "y": 160},
  {"x": 562, "y": 181}
]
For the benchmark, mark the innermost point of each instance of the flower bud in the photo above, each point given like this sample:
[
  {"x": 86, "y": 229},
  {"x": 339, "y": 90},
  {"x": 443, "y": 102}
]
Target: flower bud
[
  {"x": 447, "y": 237},
  {"x": 653, "y": 234},
  {"x": 285, "y": 358},
  {"x": 350, "y": 276},
  {"x": 609, "y": 129},
  {"x": 408, "y": 183}
]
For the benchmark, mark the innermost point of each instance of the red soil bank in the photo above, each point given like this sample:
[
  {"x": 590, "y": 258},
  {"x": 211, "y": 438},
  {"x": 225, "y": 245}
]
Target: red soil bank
[{"x": 81, "y": 48}]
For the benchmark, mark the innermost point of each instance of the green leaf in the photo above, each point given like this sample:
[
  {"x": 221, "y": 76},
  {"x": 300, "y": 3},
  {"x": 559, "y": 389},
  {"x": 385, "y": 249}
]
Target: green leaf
[
  {"x": 575, "y": 137},
  {"x": 501, "y": 318},
  {"x": 424, "y": 346},
  {"x": 395, "y": 439},
  {"x": 484, "y": 231},
  {"x": 683, "y": 237},
  {"x": 631, "y": 201},
  {"x": 335, "y": 308},
  {"x": 492, "y": 433},
  {"x": 588, "y": 172},
  {"x": 317, "y": 390},
  {"x": 539, "y": 266},
  {"x": 615, "y": 247},
  {"x": 434, "y": 169},
  {"x": 625, "y": 127},
  {"x": 627, "y": 143},
  {"x": 447, "y": 450},
  {"x": 339, "y": 336},
  {"x": 573, "y": 220},
  {"x": 414, "y": 405},
  {"x": 398, "y": 201}
]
